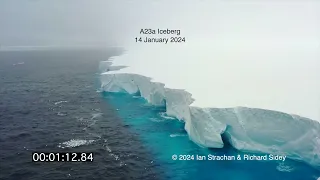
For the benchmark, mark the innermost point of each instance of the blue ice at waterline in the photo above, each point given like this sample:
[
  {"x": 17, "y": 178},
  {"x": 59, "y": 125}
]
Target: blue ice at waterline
[
  {"x": 158, "y": 134},
  {"x": 275, "y": 133}
]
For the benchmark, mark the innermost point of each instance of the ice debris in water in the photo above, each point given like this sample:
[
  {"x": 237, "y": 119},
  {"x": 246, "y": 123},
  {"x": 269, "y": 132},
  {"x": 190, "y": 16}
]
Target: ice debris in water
[
  {"x": 75, "y": 143},
  {"x": 163, "y": 115},
  {"x": 284, "y": 168},
  {"x": 99, "y": 90},
  {"x": 156, "y": 120},
  {"x": 176, "y": 135}
]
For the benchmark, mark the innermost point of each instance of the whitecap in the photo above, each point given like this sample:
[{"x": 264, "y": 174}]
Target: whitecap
[
  {"x": 80, "y": 118},
  {"x": 92, "y": 123},
  {"x": 96, "y": 115},
  {"x": 122, "y": 164},
  {"x": 61, "y": 114},
  {"x": 106, "y": 146},
  {"x": 116, "y": 157},
  {"x": 75, "y": 143},
  {"x": 19, "y": 63},
  {"x": 95, "y": 135},
  {"x": 59, "y": 102},
  {"x": 108, "y": 149}
]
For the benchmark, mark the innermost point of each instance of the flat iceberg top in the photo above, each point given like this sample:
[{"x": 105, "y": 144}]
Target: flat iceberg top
[
  {"x": 247, "y": 129},
  {"x": 260, "y": 55},
  {"x": 247, "y": 71},
  {"x": 221, "y": 80}
]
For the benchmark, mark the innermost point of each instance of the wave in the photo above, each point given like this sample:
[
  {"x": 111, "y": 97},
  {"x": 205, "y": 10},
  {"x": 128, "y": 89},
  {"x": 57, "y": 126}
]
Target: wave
[
  {"x": 61, "y": 114},
  {"x": 74, "y": 143},
  {"x": 246, "y": 129},
  {"x": 96, "y": 115},
  {"x": 59, "y": 102},
  {"x": 19, "y": 63}
]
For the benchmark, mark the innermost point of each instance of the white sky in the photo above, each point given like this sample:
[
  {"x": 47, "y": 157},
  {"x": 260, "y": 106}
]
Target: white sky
[{"x": 263, "y": 55}]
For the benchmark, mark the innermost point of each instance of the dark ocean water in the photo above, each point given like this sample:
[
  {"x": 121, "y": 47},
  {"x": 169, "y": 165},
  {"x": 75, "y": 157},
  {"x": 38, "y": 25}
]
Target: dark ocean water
[
  {"x": 49, "y": 98},
  {"x": 49, "y": 102}
]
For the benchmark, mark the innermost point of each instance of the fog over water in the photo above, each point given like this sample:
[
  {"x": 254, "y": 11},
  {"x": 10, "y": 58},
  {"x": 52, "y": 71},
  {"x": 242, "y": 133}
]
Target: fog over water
[{"x": 261, "y": 54}]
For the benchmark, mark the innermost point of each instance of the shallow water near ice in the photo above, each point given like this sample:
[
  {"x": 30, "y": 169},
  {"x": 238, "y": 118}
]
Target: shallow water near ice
[{"x": 165, "y": 137}]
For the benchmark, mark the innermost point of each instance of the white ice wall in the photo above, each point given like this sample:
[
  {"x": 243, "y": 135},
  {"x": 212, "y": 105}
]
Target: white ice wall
[{"x": 248, "y": 129}]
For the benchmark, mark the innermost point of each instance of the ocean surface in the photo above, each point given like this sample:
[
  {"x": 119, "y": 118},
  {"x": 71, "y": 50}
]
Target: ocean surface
[{"x": 50, "y": 102}]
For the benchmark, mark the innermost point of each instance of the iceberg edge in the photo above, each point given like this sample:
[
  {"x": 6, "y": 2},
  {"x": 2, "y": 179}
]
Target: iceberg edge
[{"x": 246, "y": 129}]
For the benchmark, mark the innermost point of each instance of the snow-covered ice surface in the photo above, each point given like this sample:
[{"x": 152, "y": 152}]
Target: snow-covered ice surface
[
  {"x": 217, "y": 79},
  {"x": 248, "y": 72},
  {"x": 247, "y": 129},
  {"x": 236, "y": 53}
]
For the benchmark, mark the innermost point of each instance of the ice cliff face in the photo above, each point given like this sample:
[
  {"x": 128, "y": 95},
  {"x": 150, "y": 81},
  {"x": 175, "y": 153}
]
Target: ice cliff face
[{"x": 247, "y": 129}]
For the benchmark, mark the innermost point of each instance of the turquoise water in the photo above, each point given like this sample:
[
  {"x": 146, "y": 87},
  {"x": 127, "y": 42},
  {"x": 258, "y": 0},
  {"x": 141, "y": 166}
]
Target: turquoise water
[{"x": 165, "y": 137}]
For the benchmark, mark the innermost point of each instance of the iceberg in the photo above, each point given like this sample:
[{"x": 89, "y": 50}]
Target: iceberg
[
  {"x": 246, "y": 129},
  {"x": 105, "y": 66}
]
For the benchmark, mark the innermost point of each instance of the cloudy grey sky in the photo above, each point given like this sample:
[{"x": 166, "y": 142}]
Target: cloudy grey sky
[
  {"x": 58, "y": 22},
  {"x": 79, "y": 22},
  {"x": 47, "y": 22},
  {"x": 255, "y": 53}
]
